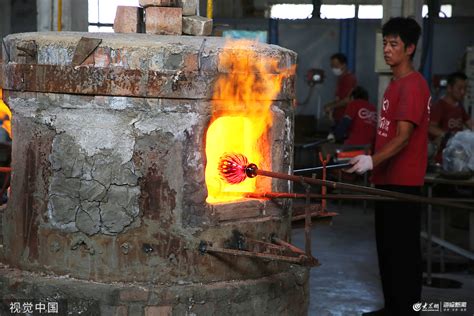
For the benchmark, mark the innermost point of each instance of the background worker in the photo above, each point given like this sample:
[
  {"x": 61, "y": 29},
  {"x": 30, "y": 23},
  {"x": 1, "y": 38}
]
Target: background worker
[
  {"x": 358, "y": 125},
  {"x": 346, "y": 82},
  {"x": 448, "y": 116},
  {"x": 399, "y": 164}
]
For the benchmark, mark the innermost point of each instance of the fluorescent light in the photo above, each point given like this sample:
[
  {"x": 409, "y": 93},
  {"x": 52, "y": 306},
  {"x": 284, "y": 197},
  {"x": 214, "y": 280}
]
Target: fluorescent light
[
  {"x": 338, "y": 11},
  {"x": 446, "y": 11},
  {"x": 291, "y": 11},
  {"x": 370, "y": 11}
]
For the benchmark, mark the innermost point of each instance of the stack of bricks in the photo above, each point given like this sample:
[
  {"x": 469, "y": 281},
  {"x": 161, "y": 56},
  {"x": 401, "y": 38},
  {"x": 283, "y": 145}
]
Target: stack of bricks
[{"x": 164, "y": 17}]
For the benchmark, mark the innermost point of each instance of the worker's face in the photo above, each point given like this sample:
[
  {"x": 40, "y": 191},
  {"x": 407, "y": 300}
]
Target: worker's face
[
  {"x": 394, "y": 50},
  {"x": 458, "y": 90},
  {"x": 337, "y": 67}
]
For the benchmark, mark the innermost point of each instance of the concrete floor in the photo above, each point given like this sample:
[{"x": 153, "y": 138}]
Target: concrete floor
[{"x": 347, "y": 282}]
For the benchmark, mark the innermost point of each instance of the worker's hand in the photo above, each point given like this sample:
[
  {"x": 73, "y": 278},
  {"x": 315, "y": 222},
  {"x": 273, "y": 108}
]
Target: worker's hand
[
  {"x": 331, "y": 137},
  {"x": 360, "y": 164}
]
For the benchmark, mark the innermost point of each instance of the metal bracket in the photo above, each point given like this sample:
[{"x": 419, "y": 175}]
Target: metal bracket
[
  {"x": 278, "y": 250},
  {"x": 84, "y": 49}
]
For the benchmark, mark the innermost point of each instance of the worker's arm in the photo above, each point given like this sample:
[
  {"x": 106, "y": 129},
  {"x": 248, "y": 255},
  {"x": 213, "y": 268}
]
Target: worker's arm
[
  {"x": 364, "y": 163},
  {"x": 336, "y": 104},
  {"x": 404, "y": 131},
  {"x": 435, "y": 130}
]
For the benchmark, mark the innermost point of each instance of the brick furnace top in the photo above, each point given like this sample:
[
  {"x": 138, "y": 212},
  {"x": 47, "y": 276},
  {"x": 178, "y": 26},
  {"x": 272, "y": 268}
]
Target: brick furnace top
[{"x": 124, "y": 64}]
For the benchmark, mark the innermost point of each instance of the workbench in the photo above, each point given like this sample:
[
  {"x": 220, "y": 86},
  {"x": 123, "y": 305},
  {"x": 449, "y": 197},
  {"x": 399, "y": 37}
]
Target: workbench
[{"x": 431, "y": 180}]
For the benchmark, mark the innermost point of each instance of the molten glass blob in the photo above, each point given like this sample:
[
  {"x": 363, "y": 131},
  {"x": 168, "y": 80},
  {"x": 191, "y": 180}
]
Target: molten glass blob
[{"x": 232, "y": 168}]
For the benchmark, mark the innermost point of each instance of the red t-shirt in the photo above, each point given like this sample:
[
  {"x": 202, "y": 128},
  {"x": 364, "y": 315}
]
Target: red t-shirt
[
  {"x": 364, "y": 121},
  {"x": 345, "y": 83},
  {"x": 406, "y": 99},
  {"x": 450, "y": 118}
]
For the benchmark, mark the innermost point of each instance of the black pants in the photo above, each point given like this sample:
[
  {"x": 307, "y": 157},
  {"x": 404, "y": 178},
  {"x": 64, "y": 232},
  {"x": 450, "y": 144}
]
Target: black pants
[{"x": 397, "y": 233}]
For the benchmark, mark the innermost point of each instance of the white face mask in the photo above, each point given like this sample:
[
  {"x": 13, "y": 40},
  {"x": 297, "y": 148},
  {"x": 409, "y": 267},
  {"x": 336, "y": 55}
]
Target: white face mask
[{"x": 337, "y": 71}]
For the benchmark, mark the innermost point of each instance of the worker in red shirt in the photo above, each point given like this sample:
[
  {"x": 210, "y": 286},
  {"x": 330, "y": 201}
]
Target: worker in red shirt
[
  {"x": 448, "y": 115},
  {"x": 399, "y": 164},
  {"x": 346, "y": 82},
  {"x": 358, "y": 125}
]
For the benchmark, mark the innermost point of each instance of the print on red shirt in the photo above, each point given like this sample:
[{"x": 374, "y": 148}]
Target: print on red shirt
[
  {"x": 450, "y": 118},
  {"x": 364, "y": 120},
  {"x": 406, "y": 99}
]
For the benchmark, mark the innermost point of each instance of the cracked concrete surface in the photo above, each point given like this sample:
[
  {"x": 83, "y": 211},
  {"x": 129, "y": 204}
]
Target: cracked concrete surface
[{"x": 92, "y": 190}]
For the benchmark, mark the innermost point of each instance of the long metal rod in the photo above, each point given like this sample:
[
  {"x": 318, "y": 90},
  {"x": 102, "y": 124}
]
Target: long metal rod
[
  {"x": 60, "y": 15},
  {"x": 336, "y": 166},
  {"x": 283, "y": 243},
  {"x": 302, "y": 259},
  {"x": 307, "y": 223},
  {"x": 314, "y": 144},
  {"x": 284, "y": 195},
  {"x": 210, "y": 9},
  {"x": 319, "y": 214},
  {"x": 357, "y": 188}
]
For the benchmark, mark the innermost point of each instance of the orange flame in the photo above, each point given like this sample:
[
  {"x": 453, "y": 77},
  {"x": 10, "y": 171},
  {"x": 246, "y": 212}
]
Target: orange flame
[
  {"x": 5, "y": 115},
  {"x": 242, "y": 115}
]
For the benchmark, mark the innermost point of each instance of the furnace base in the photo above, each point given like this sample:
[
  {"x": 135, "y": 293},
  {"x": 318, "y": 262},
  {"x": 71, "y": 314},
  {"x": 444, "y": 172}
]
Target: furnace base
[{"x": 281, "y": 294}]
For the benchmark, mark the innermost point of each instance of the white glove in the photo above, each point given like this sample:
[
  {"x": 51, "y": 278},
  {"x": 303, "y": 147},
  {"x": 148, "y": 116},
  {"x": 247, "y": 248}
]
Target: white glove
[
  {"x": 361, "y": 164},
  {"x": 331, "y": 137}
]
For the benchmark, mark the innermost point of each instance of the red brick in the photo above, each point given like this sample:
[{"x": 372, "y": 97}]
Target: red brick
[
  {"x": 133, "y": 295},
  {"x": 128, "y": 20},
  {"x": 158, "y": 310},
  {"x": 157, "y": 3},
  {"x": 163, "y": 20}
]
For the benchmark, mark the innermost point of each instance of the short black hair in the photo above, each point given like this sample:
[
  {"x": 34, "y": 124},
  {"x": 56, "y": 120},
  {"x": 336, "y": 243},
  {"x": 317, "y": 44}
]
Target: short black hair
[
  {"x": 360, "y": 93},
  {"x": 456, "y": 76},
  {"x": 341, "y": 57},
  {"x": 407, "y": 29}
]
